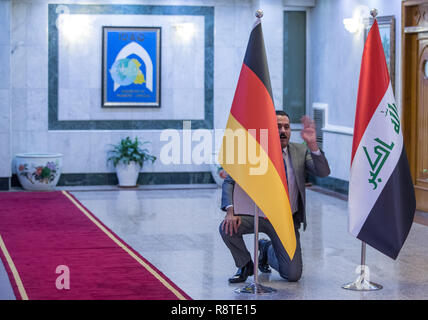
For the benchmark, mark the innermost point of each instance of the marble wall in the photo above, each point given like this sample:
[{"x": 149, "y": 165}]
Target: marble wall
[
  {"x": 79, "y": 68},
  {"x": 184, "y": 78},
  {"x": 198, "y": 77},
  {"x": 5, "y": 94},
  {"x": 334, "y": 67}
]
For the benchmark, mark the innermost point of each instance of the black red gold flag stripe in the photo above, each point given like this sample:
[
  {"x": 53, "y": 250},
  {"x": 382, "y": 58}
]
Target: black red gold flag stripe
[{"x": 252, "y": 113}]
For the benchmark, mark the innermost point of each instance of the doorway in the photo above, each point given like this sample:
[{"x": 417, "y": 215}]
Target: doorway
[{"x": 415, "y": 95}]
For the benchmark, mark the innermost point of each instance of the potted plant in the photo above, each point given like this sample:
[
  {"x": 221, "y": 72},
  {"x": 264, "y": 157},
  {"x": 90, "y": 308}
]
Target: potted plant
[{"x": 128, "y": 158}]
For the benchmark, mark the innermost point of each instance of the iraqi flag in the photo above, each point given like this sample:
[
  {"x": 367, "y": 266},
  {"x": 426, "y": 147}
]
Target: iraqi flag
[
  {"x": 381, "y": 195},
  {"x": 251, "y": 151}
]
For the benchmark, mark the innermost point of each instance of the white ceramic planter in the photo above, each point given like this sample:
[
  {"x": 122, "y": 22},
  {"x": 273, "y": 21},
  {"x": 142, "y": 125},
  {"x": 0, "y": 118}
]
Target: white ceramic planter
[
  {"x": 38, "y": 171},
  {"x": 127, "y": 174}
]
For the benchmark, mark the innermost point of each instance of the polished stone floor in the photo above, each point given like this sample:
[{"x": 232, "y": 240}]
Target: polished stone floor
[{"x": 177, "y": 230}]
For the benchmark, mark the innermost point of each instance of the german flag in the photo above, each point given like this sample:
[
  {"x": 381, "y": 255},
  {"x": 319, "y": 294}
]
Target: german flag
[{"x": 252, "y": 134}]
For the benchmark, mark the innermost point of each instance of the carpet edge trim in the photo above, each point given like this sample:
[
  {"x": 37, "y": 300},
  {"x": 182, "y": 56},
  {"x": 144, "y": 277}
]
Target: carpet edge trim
[
  {"x": 123, "y": 246},
  {"x": 13, "y": 270}
]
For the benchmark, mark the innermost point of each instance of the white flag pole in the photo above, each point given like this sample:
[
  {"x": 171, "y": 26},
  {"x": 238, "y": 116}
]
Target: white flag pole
[{"x": 255, "y": 287}]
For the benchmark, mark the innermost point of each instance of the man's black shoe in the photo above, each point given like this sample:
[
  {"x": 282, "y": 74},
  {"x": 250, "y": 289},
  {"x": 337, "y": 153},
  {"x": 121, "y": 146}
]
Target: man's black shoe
[
  {"x": 263, "y": 256},
  {"x": 243, "y": 273}
]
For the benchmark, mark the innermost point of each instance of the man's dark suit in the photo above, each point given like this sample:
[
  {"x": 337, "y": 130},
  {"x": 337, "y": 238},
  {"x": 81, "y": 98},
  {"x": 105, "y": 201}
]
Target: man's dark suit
[{"x": 303, "y": 162}]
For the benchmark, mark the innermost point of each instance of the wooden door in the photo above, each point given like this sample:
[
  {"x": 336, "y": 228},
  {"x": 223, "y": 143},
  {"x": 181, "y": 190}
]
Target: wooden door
[
  {"x": 421, "y": 149},
  {"x": 414, "y": 63}
]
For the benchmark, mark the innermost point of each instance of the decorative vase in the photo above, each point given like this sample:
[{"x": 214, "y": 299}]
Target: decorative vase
[
  {"x": 127, "y": 174},
  {"x": 38, "y": 171},
  {"x": 217, "y": 171}
]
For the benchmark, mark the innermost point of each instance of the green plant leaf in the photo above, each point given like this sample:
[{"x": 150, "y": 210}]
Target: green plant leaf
[{"x": 128, "y": 150}]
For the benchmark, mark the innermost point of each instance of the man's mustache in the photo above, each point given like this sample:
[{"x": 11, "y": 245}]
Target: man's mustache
[{"x": 283, "y": 136}]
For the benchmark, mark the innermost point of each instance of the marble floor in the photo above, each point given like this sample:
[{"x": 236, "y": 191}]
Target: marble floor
[{"x": 176, "y": 229}]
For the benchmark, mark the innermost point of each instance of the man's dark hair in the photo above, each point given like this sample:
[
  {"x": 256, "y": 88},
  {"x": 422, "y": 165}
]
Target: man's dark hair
[{"x": 282, "y": 113}]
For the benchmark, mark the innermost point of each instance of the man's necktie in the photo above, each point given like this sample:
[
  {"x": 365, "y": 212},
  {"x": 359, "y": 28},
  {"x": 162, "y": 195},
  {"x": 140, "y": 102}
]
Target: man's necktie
[{"x": 285, "y": 166}]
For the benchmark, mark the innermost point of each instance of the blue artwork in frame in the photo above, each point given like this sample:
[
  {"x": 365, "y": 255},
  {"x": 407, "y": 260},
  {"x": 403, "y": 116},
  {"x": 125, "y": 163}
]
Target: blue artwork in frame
[{"x": 131, "y": 67}]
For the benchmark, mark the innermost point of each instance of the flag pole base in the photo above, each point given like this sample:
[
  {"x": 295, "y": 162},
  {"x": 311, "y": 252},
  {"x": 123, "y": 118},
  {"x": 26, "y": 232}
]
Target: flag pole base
[
  {"x": 255, "y": 288},
  {"x": 361, "y": 284}
]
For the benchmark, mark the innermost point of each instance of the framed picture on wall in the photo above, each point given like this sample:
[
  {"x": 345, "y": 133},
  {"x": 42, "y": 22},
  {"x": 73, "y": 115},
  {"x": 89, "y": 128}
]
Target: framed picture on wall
[
  {"x": 387, "y": 36},
  {"x": 131, "y": 61}
]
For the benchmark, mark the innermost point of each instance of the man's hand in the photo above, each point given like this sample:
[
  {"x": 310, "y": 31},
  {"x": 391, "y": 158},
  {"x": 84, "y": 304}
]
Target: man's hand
[
  {"x": 309, "y": 133},
  {"x": 231, "y": 222}
]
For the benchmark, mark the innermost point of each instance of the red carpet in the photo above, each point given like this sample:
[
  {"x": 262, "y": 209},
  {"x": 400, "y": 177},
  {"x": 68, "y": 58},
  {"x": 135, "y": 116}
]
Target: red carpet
[{"x": 40, "y": 231}]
